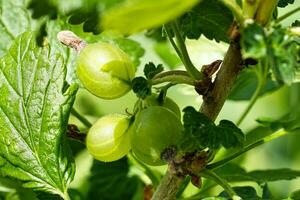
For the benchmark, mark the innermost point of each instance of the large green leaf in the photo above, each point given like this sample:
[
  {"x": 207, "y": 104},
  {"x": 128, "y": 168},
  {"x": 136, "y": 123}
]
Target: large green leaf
[
  {"x": 34, "y": 109},
  {"x": 137, "y": 15},
  {"x": 68, "y": 54},
  {"x": 112, "y": 181},
  {"x": 14, "y": 20}
]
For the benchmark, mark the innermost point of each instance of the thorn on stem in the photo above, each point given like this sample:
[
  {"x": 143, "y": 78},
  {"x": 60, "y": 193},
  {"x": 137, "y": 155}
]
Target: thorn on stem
[
  {"x": 196, "y": 181},
  {"x": 74, "y": 133}
]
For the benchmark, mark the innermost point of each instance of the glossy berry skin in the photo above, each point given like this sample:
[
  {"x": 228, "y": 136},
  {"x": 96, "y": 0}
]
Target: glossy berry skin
[
  {"x": 108, "y": 139},
  {"x": 154, "y": 130},
  {"x": 152, "y": 100},
  {"x": 105, "y": 70}
]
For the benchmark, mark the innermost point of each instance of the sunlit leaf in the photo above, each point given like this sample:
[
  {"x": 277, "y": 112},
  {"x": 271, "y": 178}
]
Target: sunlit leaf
[
  {"x": 34, "y": 110},
  {"x": 14, "y": 20},
  {"x": 145, "y": 14}
]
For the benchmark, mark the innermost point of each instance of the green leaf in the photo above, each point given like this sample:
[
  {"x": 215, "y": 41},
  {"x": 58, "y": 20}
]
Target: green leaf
[
  {"x": 90, "y": 20},
  {"x": 21, "y": 194},
  {"x": 215, "y": 198},
  {"x": 55, "y": 8},
  {"x": 201, "y": 132},
  {"x": 231, "y": 134},
  {"x": 88, "y": 13},
  {"x": 290, "y": 121},
  {"x": 34, "y": 111},
  {"x": 284, "y": 3},
  {"x": 68, "y": 54},
  {"x": 245, "y": 192},
  {"x": 246, "y": 83},
  {"x": 12, "y": 190},
  {"x": 145, "y": 14},
  {"x": 295, "y": 195},
  {"x": 48, "y": 196},
  {"x": 141, "y": 87},
  {"x": 74, "y": 195},
  {"x": 210, "y": 18},
  {"x": 230, "y": 169},
  {"x": 151, "y": 70},
  {"x": 235, "y": 173},
  {"x": 275, "y": 47},
  {"x": 285, "y": 56},
  {"x": 257, "y": 133},
  {"x": 14, "y": 20},
  {"x": 253, "y": 42},
  {"x": 274, "y": 175},
  {"x": 43, "y": 8},
  {"x": 112, "y": 181},
  {"x": 85, "y": 12}
]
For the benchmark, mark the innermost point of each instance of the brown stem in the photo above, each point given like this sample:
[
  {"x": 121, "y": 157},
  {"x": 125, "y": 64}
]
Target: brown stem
[
  {"x": 168, "y": 187},
  {"x": 214, "y": 100}
]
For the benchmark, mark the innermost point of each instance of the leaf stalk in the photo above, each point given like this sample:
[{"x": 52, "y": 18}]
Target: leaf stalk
[
  {"x": 288, "y": 14},
  {"x": 275, "y": 135},
  {"x": 81, "y": 118},
  {"x": 223, "y": 183},
  {"x": 184, "y": 55}
]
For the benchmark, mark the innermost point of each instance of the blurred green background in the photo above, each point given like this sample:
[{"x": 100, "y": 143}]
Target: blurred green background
[{"x": 281, "y": 153}]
